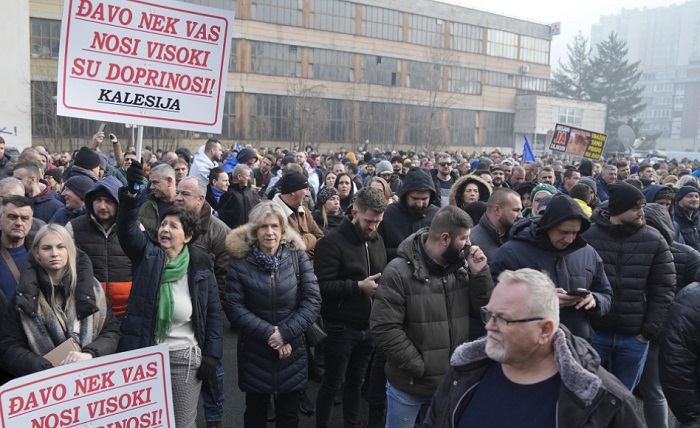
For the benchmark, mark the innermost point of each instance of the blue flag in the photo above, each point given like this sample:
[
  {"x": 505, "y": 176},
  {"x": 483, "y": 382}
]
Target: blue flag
[
  {"x": 238, "y": 148},
  {"x": 528, "y": 156}
]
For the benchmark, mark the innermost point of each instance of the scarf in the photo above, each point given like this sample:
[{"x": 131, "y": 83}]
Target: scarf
[
  {"x": 174, "y": 270},
  {"x": 216, "y": 192},
  {"x": 271, "y": 263}
]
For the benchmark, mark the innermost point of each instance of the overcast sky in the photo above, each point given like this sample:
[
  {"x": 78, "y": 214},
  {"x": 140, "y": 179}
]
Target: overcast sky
[{"x": 574, "y": 17}]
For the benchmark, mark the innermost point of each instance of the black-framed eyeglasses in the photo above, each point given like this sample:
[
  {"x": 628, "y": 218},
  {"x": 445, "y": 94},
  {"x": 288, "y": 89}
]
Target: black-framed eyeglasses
[
  {"x": 487, "y": 315},
  {"x": 445, "y": 163}
]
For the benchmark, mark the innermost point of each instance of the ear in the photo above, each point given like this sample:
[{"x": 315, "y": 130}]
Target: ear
[
  {"x": 354, "y": 212},
  {"x": 187, "y": 239},
  {"x": 547, "y": 331},
  {"x": 445, "y": 239}
]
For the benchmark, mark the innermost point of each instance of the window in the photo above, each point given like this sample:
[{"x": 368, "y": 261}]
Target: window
[
  {"x": 284, "y": 12},
  {"x": 381, "y": 70},
  {"x": 423, "y": 126},
  {"x": 379, "y": 123},
  {"x": 465, "y": 80},
  {"x": 275, "y": 59},
  {"x": 46, "y": 36},
  {"x": 461, "y": 127},
  {"x": 498, "y": 129},
  {"x": 333, "y": 15},
  {"x": 502, "y": 43},
  {"x": 325, "y": 64},
  {"x": 335, "y": 121},
  {"x": 568, "y": 115},
  {"x": 424, "y": 75},
  {"x": 232, "y": 57},
  {"x": 426, "y": 31},
  {"x": 467, "y": 38},
  {"x": 504, "y": 80},
  {"x": 533, "y": 84},
  {"x": 534, "y": 50},
  {"x": 228, "y": 128},
  {"x": 382, "y": 23},
  {"x": 218, "y": 4},
  {"x": 271, "y": 118}
]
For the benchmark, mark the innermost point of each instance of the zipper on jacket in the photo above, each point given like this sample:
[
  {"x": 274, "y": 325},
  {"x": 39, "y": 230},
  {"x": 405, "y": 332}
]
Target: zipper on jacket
[
  {"x": 448, "y": 312},
  {"x": 369, "y": 270},
  {"x": 273, "y": 283},
  {"x": 454, "y": 412}
]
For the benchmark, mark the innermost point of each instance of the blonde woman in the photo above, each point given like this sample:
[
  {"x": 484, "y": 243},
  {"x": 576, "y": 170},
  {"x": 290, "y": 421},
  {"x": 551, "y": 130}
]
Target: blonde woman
[{"x": 381, "y": 185}]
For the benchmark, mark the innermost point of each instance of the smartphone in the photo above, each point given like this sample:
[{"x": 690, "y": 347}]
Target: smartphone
[
  {"x": 102, "y": 127},
  {"x": 579, "y": 292}
]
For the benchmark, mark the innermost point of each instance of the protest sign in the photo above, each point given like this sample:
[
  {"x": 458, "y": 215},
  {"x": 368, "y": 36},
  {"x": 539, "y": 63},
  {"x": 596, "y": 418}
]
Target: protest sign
[
  {"x": 157, "y": 63},
  {"x": 578, "y": 142},
  {"x": 129, "y": 389}
]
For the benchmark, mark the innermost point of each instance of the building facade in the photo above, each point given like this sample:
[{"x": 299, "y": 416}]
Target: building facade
[
  {"x": 334, "y": 72},
  {"x": 666, "y": 41}
]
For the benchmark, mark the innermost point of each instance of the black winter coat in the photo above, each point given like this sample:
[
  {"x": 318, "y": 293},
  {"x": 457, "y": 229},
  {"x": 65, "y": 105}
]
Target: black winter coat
[
  {"x": 688, "y": 226},
  {"x": 398, "y": 223},
  {"x": 589, "y": 396},
  {"x": 640, "y": 269},
  {"x": 256, "y": 301},
  {"x": 342, "y": 260},
  {"x": 17, "y": 357},
  {"x": 577, "y": 266},
  {"x": 148, "y": 261},
  {"x": 679, "y": 356}
]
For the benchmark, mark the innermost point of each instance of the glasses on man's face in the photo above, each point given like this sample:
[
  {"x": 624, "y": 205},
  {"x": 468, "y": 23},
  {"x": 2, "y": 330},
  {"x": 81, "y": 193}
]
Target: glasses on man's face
[
  {"x": 487, "y": 316},
  {"x": 445, "y": 163}
]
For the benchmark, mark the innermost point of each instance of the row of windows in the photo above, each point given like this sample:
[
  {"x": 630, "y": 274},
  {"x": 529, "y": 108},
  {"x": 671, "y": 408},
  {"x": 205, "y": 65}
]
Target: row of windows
[
  {"x": 339, "y": 16},
  {"x": 568, "y": 115}
]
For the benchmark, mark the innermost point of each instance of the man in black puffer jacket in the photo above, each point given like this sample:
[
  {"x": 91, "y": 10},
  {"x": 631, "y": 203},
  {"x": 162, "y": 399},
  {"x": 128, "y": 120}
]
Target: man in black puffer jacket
[
  {"x": 679, "y": 356},
  {"x": 640, "y": 269},
  {"x": 413, "y": 212},
  {"x": 349, "y": 261}
]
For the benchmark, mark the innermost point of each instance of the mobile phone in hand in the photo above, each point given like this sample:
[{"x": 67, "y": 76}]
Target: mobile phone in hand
[
  {"x": 102, "y": 127},
  {"x": 579, "y": 292}
]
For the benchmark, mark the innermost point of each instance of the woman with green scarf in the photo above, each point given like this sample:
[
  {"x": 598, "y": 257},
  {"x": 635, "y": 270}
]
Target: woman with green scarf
[{"x": 174, "y": 300}]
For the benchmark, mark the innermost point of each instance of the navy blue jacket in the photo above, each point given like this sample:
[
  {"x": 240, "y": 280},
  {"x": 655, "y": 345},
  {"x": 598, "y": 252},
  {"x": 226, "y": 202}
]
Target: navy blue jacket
[{"x": 148, "y": 262}]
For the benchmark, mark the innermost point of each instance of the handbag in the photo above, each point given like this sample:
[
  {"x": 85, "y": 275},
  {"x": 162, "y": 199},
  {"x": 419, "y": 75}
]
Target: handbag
[{"x": 314, "y": 333}]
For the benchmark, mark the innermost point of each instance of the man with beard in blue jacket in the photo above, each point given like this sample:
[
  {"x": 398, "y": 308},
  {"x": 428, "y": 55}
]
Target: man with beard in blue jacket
[{"x": 553, "y": 244}]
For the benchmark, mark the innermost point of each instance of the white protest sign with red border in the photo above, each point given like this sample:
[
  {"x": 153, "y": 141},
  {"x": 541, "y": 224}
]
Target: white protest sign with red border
[
  {"x": 129, "y": 389},
  {"x": 156, "y": 63}
]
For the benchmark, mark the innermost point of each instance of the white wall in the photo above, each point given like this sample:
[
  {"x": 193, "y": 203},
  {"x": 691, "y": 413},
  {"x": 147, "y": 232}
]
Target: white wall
[{"x": 15, "y": 85}]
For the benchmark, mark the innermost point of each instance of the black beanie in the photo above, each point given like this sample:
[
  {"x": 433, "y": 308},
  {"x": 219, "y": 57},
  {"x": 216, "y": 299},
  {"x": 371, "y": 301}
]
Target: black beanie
[
  {"x": 245, "y": 155},
  {"x": 683, "y": 191},
  {"x": 86, "y": 158},
  {"x": 624, "y": 197},
  {"x": 293, "y": 181}
]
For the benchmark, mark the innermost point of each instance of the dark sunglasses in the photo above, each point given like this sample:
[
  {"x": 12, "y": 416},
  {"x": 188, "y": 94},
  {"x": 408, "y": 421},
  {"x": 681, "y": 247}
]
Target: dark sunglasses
[{"x": 445, "y": 163}]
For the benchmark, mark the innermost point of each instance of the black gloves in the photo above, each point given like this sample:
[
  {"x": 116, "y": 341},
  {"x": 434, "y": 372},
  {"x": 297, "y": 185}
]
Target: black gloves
[
  {"x": 134, "y": 177},
  {"x": 207, "y": 370}
]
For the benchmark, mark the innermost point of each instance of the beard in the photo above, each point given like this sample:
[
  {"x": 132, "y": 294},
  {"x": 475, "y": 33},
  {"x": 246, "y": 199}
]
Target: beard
[
  {"x": 365, "y": 235},
  {"x": 415, "y": 212},
  {"x": 453, "y": 255},
  {"x": 495, "y": 348}
]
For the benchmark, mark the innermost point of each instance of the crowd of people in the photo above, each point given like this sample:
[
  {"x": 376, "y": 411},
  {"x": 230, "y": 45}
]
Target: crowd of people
[{"x": 446, "y": 289}]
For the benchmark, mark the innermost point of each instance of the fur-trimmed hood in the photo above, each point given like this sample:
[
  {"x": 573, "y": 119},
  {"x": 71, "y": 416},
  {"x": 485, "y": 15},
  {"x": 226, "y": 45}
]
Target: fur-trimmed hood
[
  {"x": 458, "y": 189},
  {"x": 238, "y": 245},
  {"x": 575, "y": 359}
]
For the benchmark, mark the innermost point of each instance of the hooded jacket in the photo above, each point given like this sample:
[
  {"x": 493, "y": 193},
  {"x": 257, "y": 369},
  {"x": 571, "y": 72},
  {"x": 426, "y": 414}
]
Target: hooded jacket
[
  {"x": 589, "y": 396},
  {"x": 201, "y": 165},
  {"x": 576, "y": 266},
  {"x": 679, "y": 356},
  {"x": 256, "y": 301},
  {"x": 639, "y": 267},
  {"x": 399, "y": 222},
  {"x": 686, "y": 259},
  {"x": 111, "y": 265},
  {"x": 688, "y": 226},
  {"x": 458, "y": 190},
  {"x": 421, "y": 314}
]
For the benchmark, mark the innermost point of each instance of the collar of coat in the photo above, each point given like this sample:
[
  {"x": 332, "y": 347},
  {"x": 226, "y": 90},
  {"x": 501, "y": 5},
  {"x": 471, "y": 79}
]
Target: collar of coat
[
  {"x": 583, "y": 383},
  {"x": 238, "y": 244}
]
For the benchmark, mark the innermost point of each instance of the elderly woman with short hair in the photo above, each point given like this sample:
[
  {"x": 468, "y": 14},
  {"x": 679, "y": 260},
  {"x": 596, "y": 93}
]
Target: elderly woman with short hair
[{"x": 271, "y": 297}]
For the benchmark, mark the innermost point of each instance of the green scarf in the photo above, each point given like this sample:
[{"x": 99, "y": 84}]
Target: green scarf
[{"x": 173, "y": 271}]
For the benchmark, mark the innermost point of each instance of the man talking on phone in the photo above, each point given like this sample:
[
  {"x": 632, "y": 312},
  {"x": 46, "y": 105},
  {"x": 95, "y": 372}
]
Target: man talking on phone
[{"x": 552, "y": 244}]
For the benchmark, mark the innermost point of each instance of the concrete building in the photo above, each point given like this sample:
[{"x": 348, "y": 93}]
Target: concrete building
[
  {"x": 328, "y": 73},
  {"x": 666, "y": 41}
]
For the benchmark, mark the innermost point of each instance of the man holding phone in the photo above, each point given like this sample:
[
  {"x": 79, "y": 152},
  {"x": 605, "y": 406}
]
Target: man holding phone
[{"x": 553, "y": 244}]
